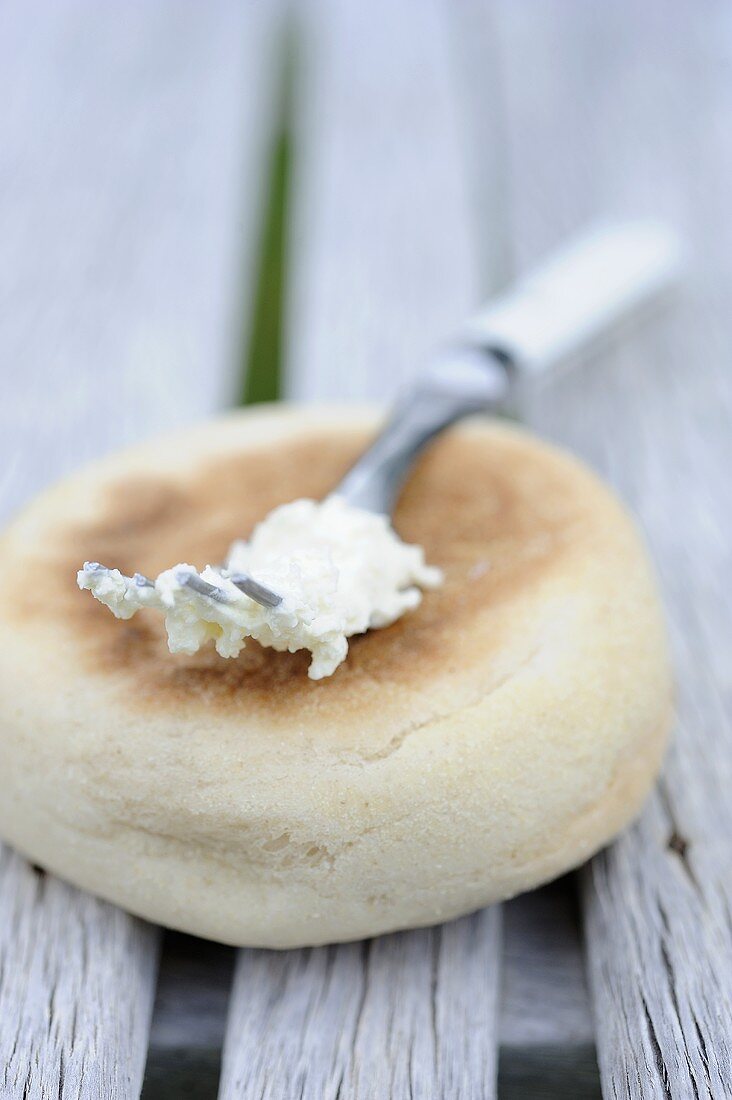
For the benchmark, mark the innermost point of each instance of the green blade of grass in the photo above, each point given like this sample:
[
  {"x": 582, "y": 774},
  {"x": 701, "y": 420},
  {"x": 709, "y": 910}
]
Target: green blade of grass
[{"x": 263, "y": 360}]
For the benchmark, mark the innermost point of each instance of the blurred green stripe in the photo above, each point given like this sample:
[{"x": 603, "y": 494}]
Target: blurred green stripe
[{"x": 263, "y": 361}]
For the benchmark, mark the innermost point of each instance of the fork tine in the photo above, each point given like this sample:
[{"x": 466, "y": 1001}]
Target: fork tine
[
  {"x": 246, "y": 584},
  {"x": 255, "y": 590},
  {"x": 196, "y": 583},
  {"x": 139, "y": 579},
  {"x": 190, "y": 579}
]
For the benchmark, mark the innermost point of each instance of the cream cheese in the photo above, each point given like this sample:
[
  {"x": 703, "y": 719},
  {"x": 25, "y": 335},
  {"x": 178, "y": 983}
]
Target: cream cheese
[{"x": 340, "y": 570}]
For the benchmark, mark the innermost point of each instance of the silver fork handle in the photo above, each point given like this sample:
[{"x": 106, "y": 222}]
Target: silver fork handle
[
  {"x": 572, "y": 299},
  {"x": 464, "y": 381}
]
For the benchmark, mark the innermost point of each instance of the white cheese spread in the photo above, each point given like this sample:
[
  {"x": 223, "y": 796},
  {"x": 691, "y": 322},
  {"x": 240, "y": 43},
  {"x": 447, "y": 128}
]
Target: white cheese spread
[{"x": 340, "y": 571}]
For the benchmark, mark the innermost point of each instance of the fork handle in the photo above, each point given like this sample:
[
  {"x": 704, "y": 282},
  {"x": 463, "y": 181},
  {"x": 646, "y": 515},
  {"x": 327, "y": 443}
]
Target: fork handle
[
  {"x": 570, "y": 301},
  {"x": 584, "y": 290},
  {"x": 463, "y": 381}
]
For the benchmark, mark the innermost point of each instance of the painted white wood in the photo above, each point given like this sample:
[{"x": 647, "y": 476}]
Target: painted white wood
[
  {"x": 131, "y": 155},
  {"x": 623, "y": 109}
]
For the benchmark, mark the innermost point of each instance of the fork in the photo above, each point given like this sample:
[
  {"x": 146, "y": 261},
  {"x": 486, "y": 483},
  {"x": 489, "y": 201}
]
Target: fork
[{"x": 601, "y": 279}]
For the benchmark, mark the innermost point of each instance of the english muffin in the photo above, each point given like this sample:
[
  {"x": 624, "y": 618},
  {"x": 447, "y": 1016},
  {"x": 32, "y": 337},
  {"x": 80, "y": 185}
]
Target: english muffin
[{"x": 490, "y": 740}]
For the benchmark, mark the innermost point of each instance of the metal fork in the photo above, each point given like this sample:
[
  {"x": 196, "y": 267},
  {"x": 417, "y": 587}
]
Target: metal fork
[
  {"x": 547, "y": 318},
  {"x": 463, "y": 381}
]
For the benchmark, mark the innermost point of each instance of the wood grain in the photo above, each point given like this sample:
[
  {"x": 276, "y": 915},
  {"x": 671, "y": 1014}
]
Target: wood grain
[
  {"x": 76, "y": 989},
  {"x": 411, "y": 1014},
  {"x": 622, "y": 109},
  {"x": 132, "y": 151},
  {"x": 385, "y": 261},
  {"x": 130, "y": 164},
  {"x": 545, "y": 1029}
]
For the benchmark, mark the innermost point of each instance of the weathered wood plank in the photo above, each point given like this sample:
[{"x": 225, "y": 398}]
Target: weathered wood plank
[
  {"x": 131, "y": 153},
  {"x": 130, "y": 161},
  {"x": 624, "y": 112},
  {"x": 385, "y": 264},
  {"x": 546, "y": 1033},
  {"x": 412, "y": 1014},
  {"x": 76, "y": 984},
  {"x": 383, "y": 267}
]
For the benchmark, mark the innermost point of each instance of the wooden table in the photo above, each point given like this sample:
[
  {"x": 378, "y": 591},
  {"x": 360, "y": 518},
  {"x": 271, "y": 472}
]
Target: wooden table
[{"x": 437, "y": 148}]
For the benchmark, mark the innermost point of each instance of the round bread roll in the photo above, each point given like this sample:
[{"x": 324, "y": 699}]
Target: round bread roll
[{"x": 486, "y": 742}]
